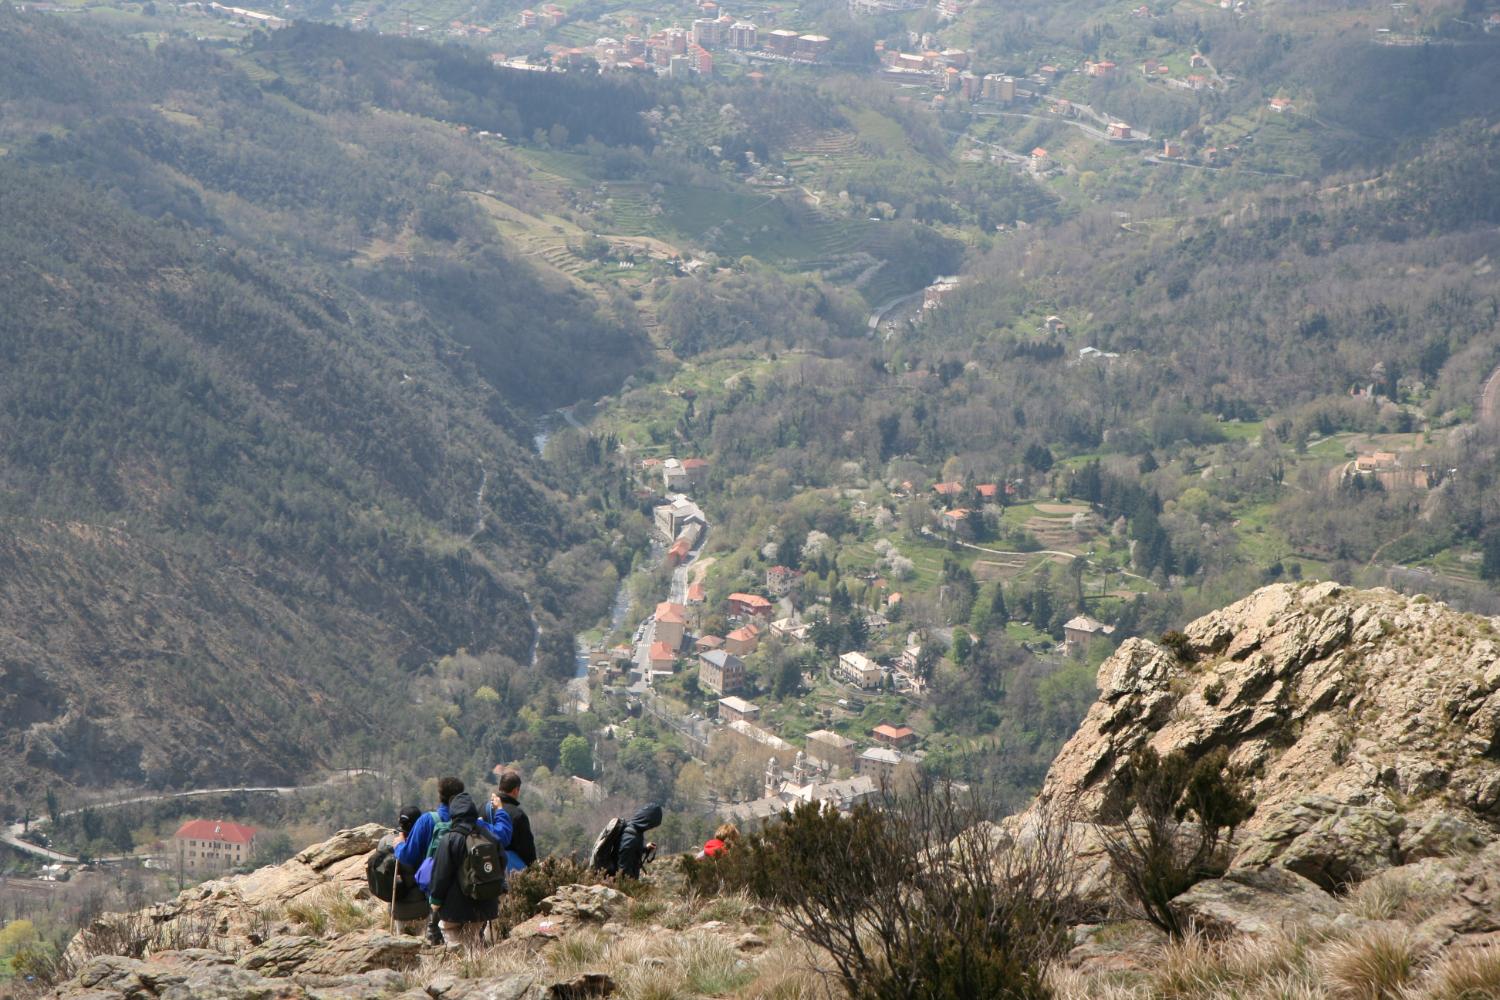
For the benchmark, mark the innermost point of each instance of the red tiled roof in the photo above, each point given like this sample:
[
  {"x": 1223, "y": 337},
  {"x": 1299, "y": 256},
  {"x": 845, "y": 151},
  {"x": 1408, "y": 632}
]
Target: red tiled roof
[
  {"x": 215, "y": 829},
  {"x": 987, "y": 489},
  {"x": 661, "y": 651},
  {"x": 744, "y": 633},
  {"x": 674, "y": 614},
  {"x": 695, "y": 593},
  {"x": 695, "y": 463},
  {"x": 750, "y": 600},
  {"x": 894, "y": 732},
  {"x": 947, "y": 489}
]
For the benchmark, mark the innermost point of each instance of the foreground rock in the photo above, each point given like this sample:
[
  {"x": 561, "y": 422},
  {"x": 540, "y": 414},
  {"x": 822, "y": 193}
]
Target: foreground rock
[{"x": 1369, "y": 724}]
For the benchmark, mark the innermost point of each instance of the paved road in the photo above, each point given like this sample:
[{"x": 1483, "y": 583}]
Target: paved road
[{"x": 11, "y": 835}]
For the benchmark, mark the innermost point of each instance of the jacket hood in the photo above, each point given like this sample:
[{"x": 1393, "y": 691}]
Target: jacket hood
[
  {"x": 649, "y": 818},
  {"x": 461, "y": 808}
]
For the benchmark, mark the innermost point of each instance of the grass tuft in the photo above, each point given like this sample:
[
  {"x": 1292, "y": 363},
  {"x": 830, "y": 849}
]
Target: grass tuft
[{"x": 1378, "y": 964}]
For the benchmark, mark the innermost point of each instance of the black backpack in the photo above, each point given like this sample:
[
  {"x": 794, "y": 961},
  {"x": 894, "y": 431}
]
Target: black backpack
[
  {"x": 380, "y": 873},
  {"x": 481, "y": 876},
  {"x": 606, "y": 855}
]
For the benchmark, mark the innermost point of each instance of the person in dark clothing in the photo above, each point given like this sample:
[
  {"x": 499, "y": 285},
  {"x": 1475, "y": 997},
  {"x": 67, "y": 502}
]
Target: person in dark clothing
[
  {"x": 462, "y": 919},
  {"x": 634, "y": 849},
  {"x": 522, "y": 851}
]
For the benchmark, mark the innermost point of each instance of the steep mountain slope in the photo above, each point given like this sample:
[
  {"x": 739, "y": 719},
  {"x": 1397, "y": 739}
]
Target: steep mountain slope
[{"x": 242, "y": 501}]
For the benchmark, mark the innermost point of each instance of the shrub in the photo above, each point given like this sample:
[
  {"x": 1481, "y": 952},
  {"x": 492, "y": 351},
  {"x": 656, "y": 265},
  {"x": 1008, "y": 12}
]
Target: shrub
[
  {"x": 526, "y": 889},
  {"x": 914, "y": 901},
  {"x": 1180, "y": 645},
  {"x": 1471, "y": 974},
  {"x": 1176, "y": 818},
  {"x": 1377, "y": 965}
]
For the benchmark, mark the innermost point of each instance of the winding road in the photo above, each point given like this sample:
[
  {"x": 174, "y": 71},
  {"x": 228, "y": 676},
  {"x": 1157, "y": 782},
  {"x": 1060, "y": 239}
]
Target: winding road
[
  {"x": 1489, "y": 399},
  {"x": 11, "y": 835}
]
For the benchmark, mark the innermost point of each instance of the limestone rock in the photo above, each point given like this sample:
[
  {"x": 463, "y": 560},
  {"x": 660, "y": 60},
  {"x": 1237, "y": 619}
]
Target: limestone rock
[
  {"x": 364, "y": 951},
  {"x": 583, "y": 902},
  {"x": 1361, "y": 717},
  {"x": 1254, "y": 902},
  {"x": 360, "y": 840},
  {"x": 281, "y": 955}
]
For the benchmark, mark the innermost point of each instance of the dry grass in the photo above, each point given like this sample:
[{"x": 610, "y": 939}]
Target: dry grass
[
  {"x": 1399, "y": 894},
  {"x": 1470, "y": 974},
  {"x": 1376, "y": 964},
  {"x": 330, "y": 910}
]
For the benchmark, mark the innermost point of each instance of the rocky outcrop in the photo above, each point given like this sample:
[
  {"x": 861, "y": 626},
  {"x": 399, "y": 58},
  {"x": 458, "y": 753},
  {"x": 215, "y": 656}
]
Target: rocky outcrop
[{"x": 1368, "y": 724}]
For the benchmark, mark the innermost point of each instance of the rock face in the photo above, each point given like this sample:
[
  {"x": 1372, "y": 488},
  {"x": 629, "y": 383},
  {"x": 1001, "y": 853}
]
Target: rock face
[{"x": 1369, "y": 724}]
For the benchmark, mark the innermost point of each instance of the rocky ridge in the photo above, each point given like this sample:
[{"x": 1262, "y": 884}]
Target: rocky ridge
[
  {"x": 309, "y": 929},
  {"x": 1368, "y": 727}
]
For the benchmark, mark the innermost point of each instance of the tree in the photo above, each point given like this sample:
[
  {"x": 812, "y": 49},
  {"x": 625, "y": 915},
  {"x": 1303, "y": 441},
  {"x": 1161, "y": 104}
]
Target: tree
[
  {"x": 1489, "y": 567},
  {"x": 1175, "y": 819},
  {"x": 788, "y": 678},
  {"x": 575, "y": 757}
]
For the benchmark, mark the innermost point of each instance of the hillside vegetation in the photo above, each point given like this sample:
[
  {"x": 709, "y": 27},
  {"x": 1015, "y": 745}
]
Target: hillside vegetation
[{"x": 258, "y": 471}]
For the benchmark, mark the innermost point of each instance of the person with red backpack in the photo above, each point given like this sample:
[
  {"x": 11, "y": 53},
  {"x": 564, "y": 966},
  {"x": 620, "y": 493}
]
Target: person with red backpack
[{"x": 468, "y": 871}]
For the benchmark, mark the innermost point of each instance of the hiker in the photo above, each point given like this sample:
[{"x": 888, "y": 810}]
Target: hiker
[
  {"x": 418, "y": 846},
  {"x": 723, "y": 839},
  {"x": 468, "y": 871},
  {"x": 522, "y": 851},
  {"x": 387, "y": 877},
  {"x": 635, "y": 851}
]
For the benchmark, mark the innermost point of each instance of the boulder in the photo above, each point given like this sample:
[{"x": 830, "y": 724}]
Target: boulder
[
  {"x": 364, "y": 951},
  {"x": 583, "y": 902},
  {"x": 1255, "y": 903},
  {"x": 360, "y": 840},
  {"x": 281, "y": 955}
]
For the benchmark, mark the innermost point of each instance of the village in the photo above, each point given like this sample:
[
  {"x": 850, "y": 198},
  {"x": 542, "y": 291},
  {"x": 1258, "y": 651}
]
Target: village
[{"x": 842, "y": 736}]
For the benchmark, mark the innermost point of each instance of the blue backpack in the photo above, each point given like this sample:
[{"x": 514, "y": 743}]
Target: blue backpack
[{"x": 440, "y": 828}]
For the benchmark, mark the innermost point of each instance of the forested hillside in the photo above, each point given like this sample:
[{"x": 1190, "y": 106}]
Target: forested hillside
[{"x": 267, "y": 391}]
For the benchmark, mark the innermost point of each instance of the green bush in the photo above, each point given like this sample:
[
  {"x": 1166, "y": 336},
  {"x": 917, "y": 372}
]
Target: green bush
[{"x": 1174, "y": 820}]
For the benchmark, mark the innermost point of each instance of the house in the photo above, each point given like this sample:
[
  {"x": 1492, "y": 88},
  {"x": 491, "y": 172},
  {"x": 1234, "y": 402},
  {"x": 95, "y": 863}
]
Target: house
[
  {"x": 708, "y": 642},
  {"x": 753, "y": 734},
  {"x": 948, "y": 489},
  {"x": 934, "y": 294},
  {"x": 734, "y": 707},
  {"x": 1079, "y": 630},
  {"x": 1197, "y": 81},
  {"x": 805, "y": 784},
  {"x": 671, "y": 517},
  {"x": 1198, "y": 61},
  {"x": 695, "y": 593},
  {"x": 588, "y": 791},
  {"x": 720, "y": 672},
  {"x": 879, "y": 763},
  {"x": 1099, "y": 69},
  {"x": 1380, "y": 461},
  {"x": 749, "y": 606},
  {"x": 1280, "y": 104},
  {"x": 790, "y": 628},
  {"x": 953, "y": 518},
  {"x": 1054, "y": 324},
  {"x": 780, "y": 580},
  {"x": 1040, "y": 161},
  {"x": 1092, "y": 353},
  {"x": 212, "y": 845},
  {"x": 1171, "y": 148},
  {"x": 895, "y": 737},
  {"x": 831, "y": 748},
  {"x": 663, "y": 658},
  {"x": 671, "y": 620},
  {"x": 679, "y": 552},
  {"x": 859, "y": 669},
  {"x": 743, "y": 640},
  {"x": 1119, "y": 130},
  {"x": 696, "y": 469},
  {"x": 988, "y": 491}
]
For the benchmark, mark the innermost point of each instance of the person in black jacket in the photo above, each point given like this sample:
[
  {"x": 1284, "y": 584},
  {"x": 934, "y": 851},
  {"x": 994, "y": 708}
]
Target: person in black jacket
[
  {"x": 522, "y": 851},
  {"x": 462, "y": 919},
  {"x": 633, "y": 845}
]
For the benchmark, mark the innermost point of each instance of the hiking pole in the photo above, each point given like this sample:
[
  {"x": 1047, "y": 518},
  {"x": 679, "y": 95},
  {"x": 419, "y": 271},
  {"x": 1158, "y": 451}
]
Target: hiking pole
[{"x": 395, "y": 891}]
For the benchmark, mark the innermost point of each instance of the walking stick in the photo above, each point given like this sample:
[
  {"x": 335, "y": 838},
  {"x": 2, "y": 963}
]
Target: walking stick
[{"x": 395, "y": 891}]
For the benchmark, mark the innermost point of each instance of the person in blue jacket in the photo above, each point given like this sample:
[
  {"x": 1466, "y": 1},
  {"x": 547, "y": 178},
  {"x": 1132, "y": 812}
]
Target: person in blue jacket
[{"x": 415, "y": 847}]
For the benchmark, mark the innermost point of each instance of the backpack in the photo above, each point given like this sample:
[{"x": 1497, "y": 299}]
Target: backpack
[
  {"x": 380, "y": 873},
  {"x": 481, "y": 876},
  {"x": 440, "y": 828},
  {"x": 606, "y": 854}
]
